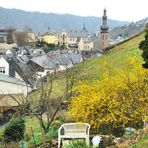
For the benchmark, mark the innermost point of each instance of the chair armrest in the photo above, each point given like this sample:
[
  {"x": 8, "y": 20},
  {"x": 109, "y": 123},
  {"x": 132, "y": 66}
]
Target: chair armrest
[
  {"x": 87, "y": 130},
  {"x": 59, "y": 130}
]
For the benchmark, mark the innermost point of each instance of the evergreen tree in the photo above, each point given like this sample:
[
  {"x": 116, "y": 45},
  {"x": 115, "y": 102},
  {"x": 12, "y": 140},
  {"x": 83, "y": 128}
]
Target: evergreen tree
[{"x": 144, "y": 46}]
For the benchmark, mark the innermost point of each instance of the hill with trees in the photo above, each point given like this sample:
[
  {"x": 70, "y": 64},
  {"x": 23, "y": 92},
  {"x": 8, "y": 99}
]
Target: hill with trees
[
  {"x": 129, "y": 30},
  {"x": 40, "y": 22}
]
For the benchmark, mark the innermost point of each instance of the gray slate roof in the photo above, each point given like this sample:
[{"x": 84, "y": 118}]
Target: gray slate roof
[
  {"x": 75, "y": 58},
  {"x": 24, "y": 71},
  {"x": 75, "y": 33},
  {"x": 52, "y": 61},
  {"x": 8, "y": 79},
  {"x": 43, "y": 61},
  {"x": 23, "y": 59},
  {"x": 38, "y": 52}
]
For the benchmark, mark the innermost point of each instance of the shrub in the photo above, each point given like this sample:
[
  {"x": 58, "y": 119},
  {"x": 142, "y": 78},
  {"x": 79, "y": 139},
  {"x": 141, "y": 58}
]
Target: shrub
[
  {"x": 15, "y": 130},
  {"x": 118, "y": 100},
  {"x": 106, "y": 141},
  {"x": 144, "y": 46},
  {"x": 77, "y": 144},
  {"x": 104, "y": 129},
  {"x": 53, "y": 130}
]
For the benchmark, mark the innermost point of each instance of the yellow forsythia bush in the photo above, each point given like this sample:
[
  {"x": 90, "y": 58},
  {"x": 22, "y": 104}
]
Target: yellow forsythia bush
[{"x": 118, "y": 100}]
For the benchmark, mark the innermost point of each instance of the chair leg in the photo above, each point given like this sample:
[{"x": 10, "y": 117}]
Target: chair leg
[
  {"x": 87, "y": 140},
  {"x": 59, "y": 142}
]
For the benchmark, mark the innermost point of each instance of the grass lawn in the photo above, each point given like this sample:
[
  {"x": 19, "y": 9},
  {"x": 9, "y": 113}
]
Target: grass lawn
[
  {"x": 1, "y": 135},
  {"x": 34, "y": 134},
  {"x": 143, "y": 143},
  {"x": 32, "y": 129},
  {"x": 58, "y": 88}
]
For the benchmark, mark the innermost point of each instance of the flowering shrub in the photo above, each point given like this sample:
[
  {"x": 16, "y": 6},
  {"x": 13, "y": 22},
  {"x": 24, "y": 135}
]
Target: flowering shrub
[{"x": 116, "y": 100}]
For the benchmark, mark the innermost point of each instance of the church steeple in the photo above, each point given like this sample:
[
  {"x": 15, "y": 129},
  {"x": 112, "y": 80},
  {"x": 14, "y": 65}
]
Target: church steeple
[
  {"x": 84, "y": 28},
  {"x": 104, "y": 27},
  {"x": 104, "y": 32}
]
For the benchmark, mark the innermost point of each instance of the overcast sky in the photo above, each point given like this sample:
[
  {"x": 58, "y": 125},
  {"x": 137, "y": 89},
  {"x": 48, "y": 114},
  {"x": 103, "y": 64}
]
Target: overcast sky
[{"x": 126, "y": 10}]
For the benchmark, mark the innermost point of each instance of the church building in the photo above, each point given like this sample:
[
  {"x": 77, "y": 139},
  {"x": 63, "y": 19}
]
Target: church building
[{"x": 104, "y": 32}]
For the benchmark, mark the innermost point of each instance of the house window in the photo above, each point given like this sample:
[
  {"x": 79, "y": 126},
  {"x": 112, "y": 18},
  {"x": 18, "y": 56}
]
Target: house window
[{"x": 2, "y": 69}]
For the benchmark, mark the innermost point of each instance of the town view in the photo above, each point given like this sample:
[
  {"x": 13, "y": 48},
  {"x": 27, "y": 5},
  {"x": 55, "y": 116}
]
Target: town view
[{"x": 73, "y": 74}]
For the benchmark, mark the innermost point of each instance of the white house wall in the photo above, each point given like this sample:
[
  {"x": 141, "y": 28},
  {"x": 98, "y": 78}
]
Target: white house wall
[
  {"x": 12, "y": 88},
  {"x": 91, "y": 46},
  {"x": 42, "y": 74},
  {"x": 60, "y": 68},
  {"x": 81, "y": 45},
  {"x": 4, "y": 63}
]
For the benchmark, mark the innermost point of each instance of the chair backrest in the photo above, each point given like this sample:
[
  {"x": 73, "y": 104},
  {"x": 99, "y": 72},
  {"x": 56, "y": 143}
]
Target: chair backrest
[{"x": 76, "y": 128}]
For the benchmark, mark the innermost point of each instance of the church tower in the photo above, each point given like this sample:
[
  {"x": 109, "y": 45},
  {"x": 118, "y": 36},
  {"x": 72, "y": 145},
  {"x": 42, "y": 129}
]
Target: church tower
[{"x": 104, "y": 32}]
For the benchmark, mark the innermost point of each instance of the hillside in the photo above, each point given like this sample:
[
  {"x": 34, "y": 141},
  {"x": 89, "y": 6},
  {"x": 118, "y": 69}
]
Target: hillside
[
  {"x": 92, "y": 68},
  {"x": 129, "y": 30},
  {"x": 39, "y": 22},
  {"x": 116, "y": 56}
]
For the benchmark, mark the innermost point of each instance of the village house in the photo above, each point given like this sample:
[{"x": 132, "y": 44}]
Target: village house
[
  {"x": 8, "y": 66},
  {"x": 7, "y": 35},
  {"x": 75, "y": 40},
  {"x": 80, "y": 40},
  {"x": 4, "y": 66},
  {"x": 12, "y": 87},
  {"x": 49, "y": 37},
  {"x": 15, "y": 66},
  {"x": 5, "y": 39},
  {"x": 30, "y": 36},
  {"x": 4, "y": 47},
  {"x": 12, "y": 83},
  {"x": 54, "y": 61},
  {"x": 84, "y": 41}
]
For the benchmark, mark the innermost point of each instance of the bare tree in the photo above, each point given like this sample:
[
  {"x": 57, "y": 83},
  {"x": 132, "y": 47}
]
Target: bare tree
[
  {"x": 22, "y": 35},
  {"x": 47, "y": 106},
  {"x": 10, "y": 37}
]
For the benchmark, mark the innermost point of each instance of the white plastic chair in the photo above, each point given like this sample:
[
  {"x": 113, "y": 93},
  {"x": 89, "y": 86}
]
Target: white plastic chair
[{"x": 74, "y": 131}]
